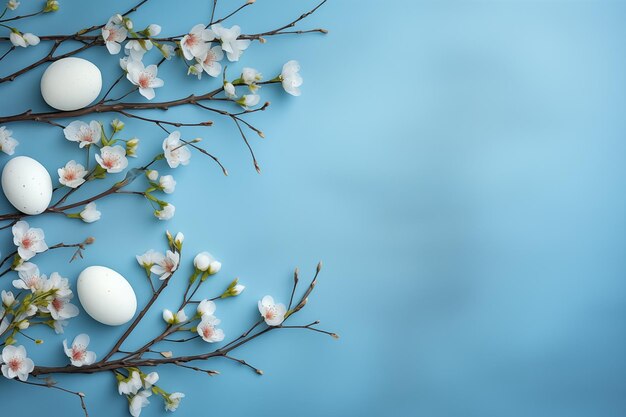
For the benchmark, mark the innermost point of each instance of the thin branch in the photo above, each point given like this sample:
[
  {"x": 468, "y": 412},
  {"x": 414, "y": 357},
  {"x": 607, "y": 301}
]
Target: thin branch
[{"x": 80, "y": 395}]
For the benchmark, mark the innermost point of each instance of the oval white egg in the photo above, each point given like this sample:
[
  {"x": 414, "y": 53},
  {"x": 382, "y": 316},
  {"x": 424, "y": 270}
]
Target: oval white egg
[
  {"x": 106, "y": 295},
  {"x": 71, "y": 84},
  {"x": 27, "y": 185}
]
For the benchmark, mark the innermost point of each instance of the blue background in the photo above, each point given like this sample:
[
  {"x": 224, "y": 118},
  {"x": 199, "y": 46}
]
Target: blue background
[{"x": 458, "y": 165}]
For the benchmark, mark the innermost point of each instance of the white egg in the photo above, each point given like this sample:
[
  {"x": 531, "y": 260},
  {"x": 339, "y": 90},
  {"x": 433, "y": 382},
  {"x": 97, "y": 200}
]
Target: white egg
[
  {"x": 27, "y": 185},
  {"x": 106, "y": 295},
  {"x": 71, "y": 84}
]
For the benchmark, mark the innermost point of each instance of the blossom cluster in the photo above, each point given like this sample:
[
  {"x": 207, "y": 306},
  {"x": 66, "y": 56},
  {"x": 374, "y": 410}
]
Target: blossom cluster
[{"x": 23, "y": 40}]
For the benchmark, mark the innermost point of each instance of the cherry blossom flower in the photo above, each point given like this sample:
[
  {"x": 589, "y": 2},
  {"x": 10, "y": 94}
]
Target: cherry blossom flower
[
  {"x": 72, "y": 175},
  {"x": 90, "y": 214},
  {"x": 137, "y": 48},
  {"x": 291, "y": 78},
  {"x": 138, "y": 402},
  {"x": 250, "y": 77},
  {"x": 83, "y": 133},
  {"x": 112, "y": 158},
  {"x": 149, "y": 258},
  {"x": 23, "y": 40},
  {"x": 7, "y": 143},
  {"x": 167, "y": 50},
  {"x": 16, "y": 363},
  {"x": 207, "y": 329},
  {"x": 60, "y": 308},
  {"x": 144, "y": 77},
  {"x": 130, "y": 385},
  {"x": 249, "y": 100},
  {"x": 172, "y": 401},
  {"x": 172, "y": 318},
  {"x": 29, "y": 241},
  {"x": 166, "y": 213},
  {"x": 175, "y": 151},
  {"x": 166, "y": 265},
  {"x": 273, "y": 314},
  {"x": 206, "y": 308},
  {"x": 210, "y": 63},
  {"x": 78, "y": 353},
  {"x": 30, "y": 279},
  {"x": 114, "y": 33},
  {"x": 58, "y": 326},
  {"x": 205, "y": 262},
  {"x": 167, "y": 184},
  {"x": 7, "y": 298},
  {"x": 13, "y": 4},
  {"x": 230, "y": 44},
  {"x": 194, "y": 44},
  {"x": 150, "y": 379}
]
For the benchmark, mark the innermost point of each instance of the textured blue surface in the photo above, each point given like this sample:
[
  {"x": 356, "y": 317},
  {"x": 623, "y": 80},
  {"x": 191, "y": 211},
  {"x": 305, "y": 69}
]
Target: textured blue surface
[{"x": 458, "y": 165}]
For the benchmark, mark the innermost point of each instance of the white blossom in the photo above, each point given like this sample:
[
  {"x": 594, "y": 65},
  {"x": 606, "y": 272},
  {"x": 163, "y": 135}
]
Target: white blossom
[
  {"x": 149, "y": 258},
  {"x": 205, "y": 262},
  {"x": 172, "y": 401},
  {"x": 207, "y": 329},
  {"x": 16, "y": 363},
  {"x": 78, "y": 353},
  {"x": 90, "y": 214},
  {"x": 7, "y": 298},
  {"x": 59, "y": 324},
  {"x": 175, "y": 151},
  {"x": 250, "y": 77},
  {"x": 166, "y": 265},
  {"x": 72, "y": 175},
  {"x": 112, "y": 159},
  {"x": 230, "y": 44},
  {"x": 130, "y": 385},
  {"x": 194, "y": 44},
  {"x": 137, "y": 48},
  {"x": 206, "y": 308},
  {"x": 166, "y": 49},
  {"x": 150, "y": 379},
  {"x": 237, "y": 289},
  {"x": 114, "y": 33},
  {"x": 29, "y": 241},
  {"x": 291, "y": 78},
  {"x": 153, "y": 29},
  {"x": 7, "y": 143},
  {"x": 272, "y": 313},
  {"x": 166, "y": 213},
  {"x": 172, "y": 318},
  {"x": 144, "y": 77},
  {"x": 30, "y": 279},
  {"x": 167, "y": 183},
  {"x": 23, "y": 39},
  {"x": 138, "y": 402},
  {"x": 83, "y": 133},
  {"x": 13, "y": 4},
  {"x": 249, "y": 100},
  {"x": 60, "y": 308},
  {"x": 210, "y": 63}
]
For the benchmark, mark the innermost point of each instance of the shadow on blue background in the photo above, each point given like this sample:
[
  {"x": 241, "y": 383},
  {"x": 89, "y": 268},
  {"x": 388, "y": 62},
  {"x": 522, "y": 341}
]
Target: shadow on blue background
[{"x": 458, "y": 165}]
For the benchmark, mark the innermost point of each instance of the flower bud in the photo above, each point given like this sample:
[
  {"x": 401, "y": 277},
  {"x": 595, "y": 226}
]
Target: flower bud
[
  {"x": 153, "y": 30},
  {"x": 152, "y": 174},
  {"x": 117, "y": 125},
  {"x": 51, "y": 6},
  {"x": 7, "y": 298},
  {"x": 178, "y": 241},
  {"x": 128, "y": 23},
  {"x": 23, "y": 325},
  {"x": 203, "y": 261},
  {"x": 13, "y": 4}
]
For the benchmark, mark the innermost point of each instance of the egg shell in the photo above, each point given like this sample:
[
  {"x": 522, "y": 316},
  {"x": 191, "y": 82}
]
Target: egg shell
[
  {"x": 27, "y": 185},
  {"x": 106, "y": 295},
  {"x": 71, "y": 84}
]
